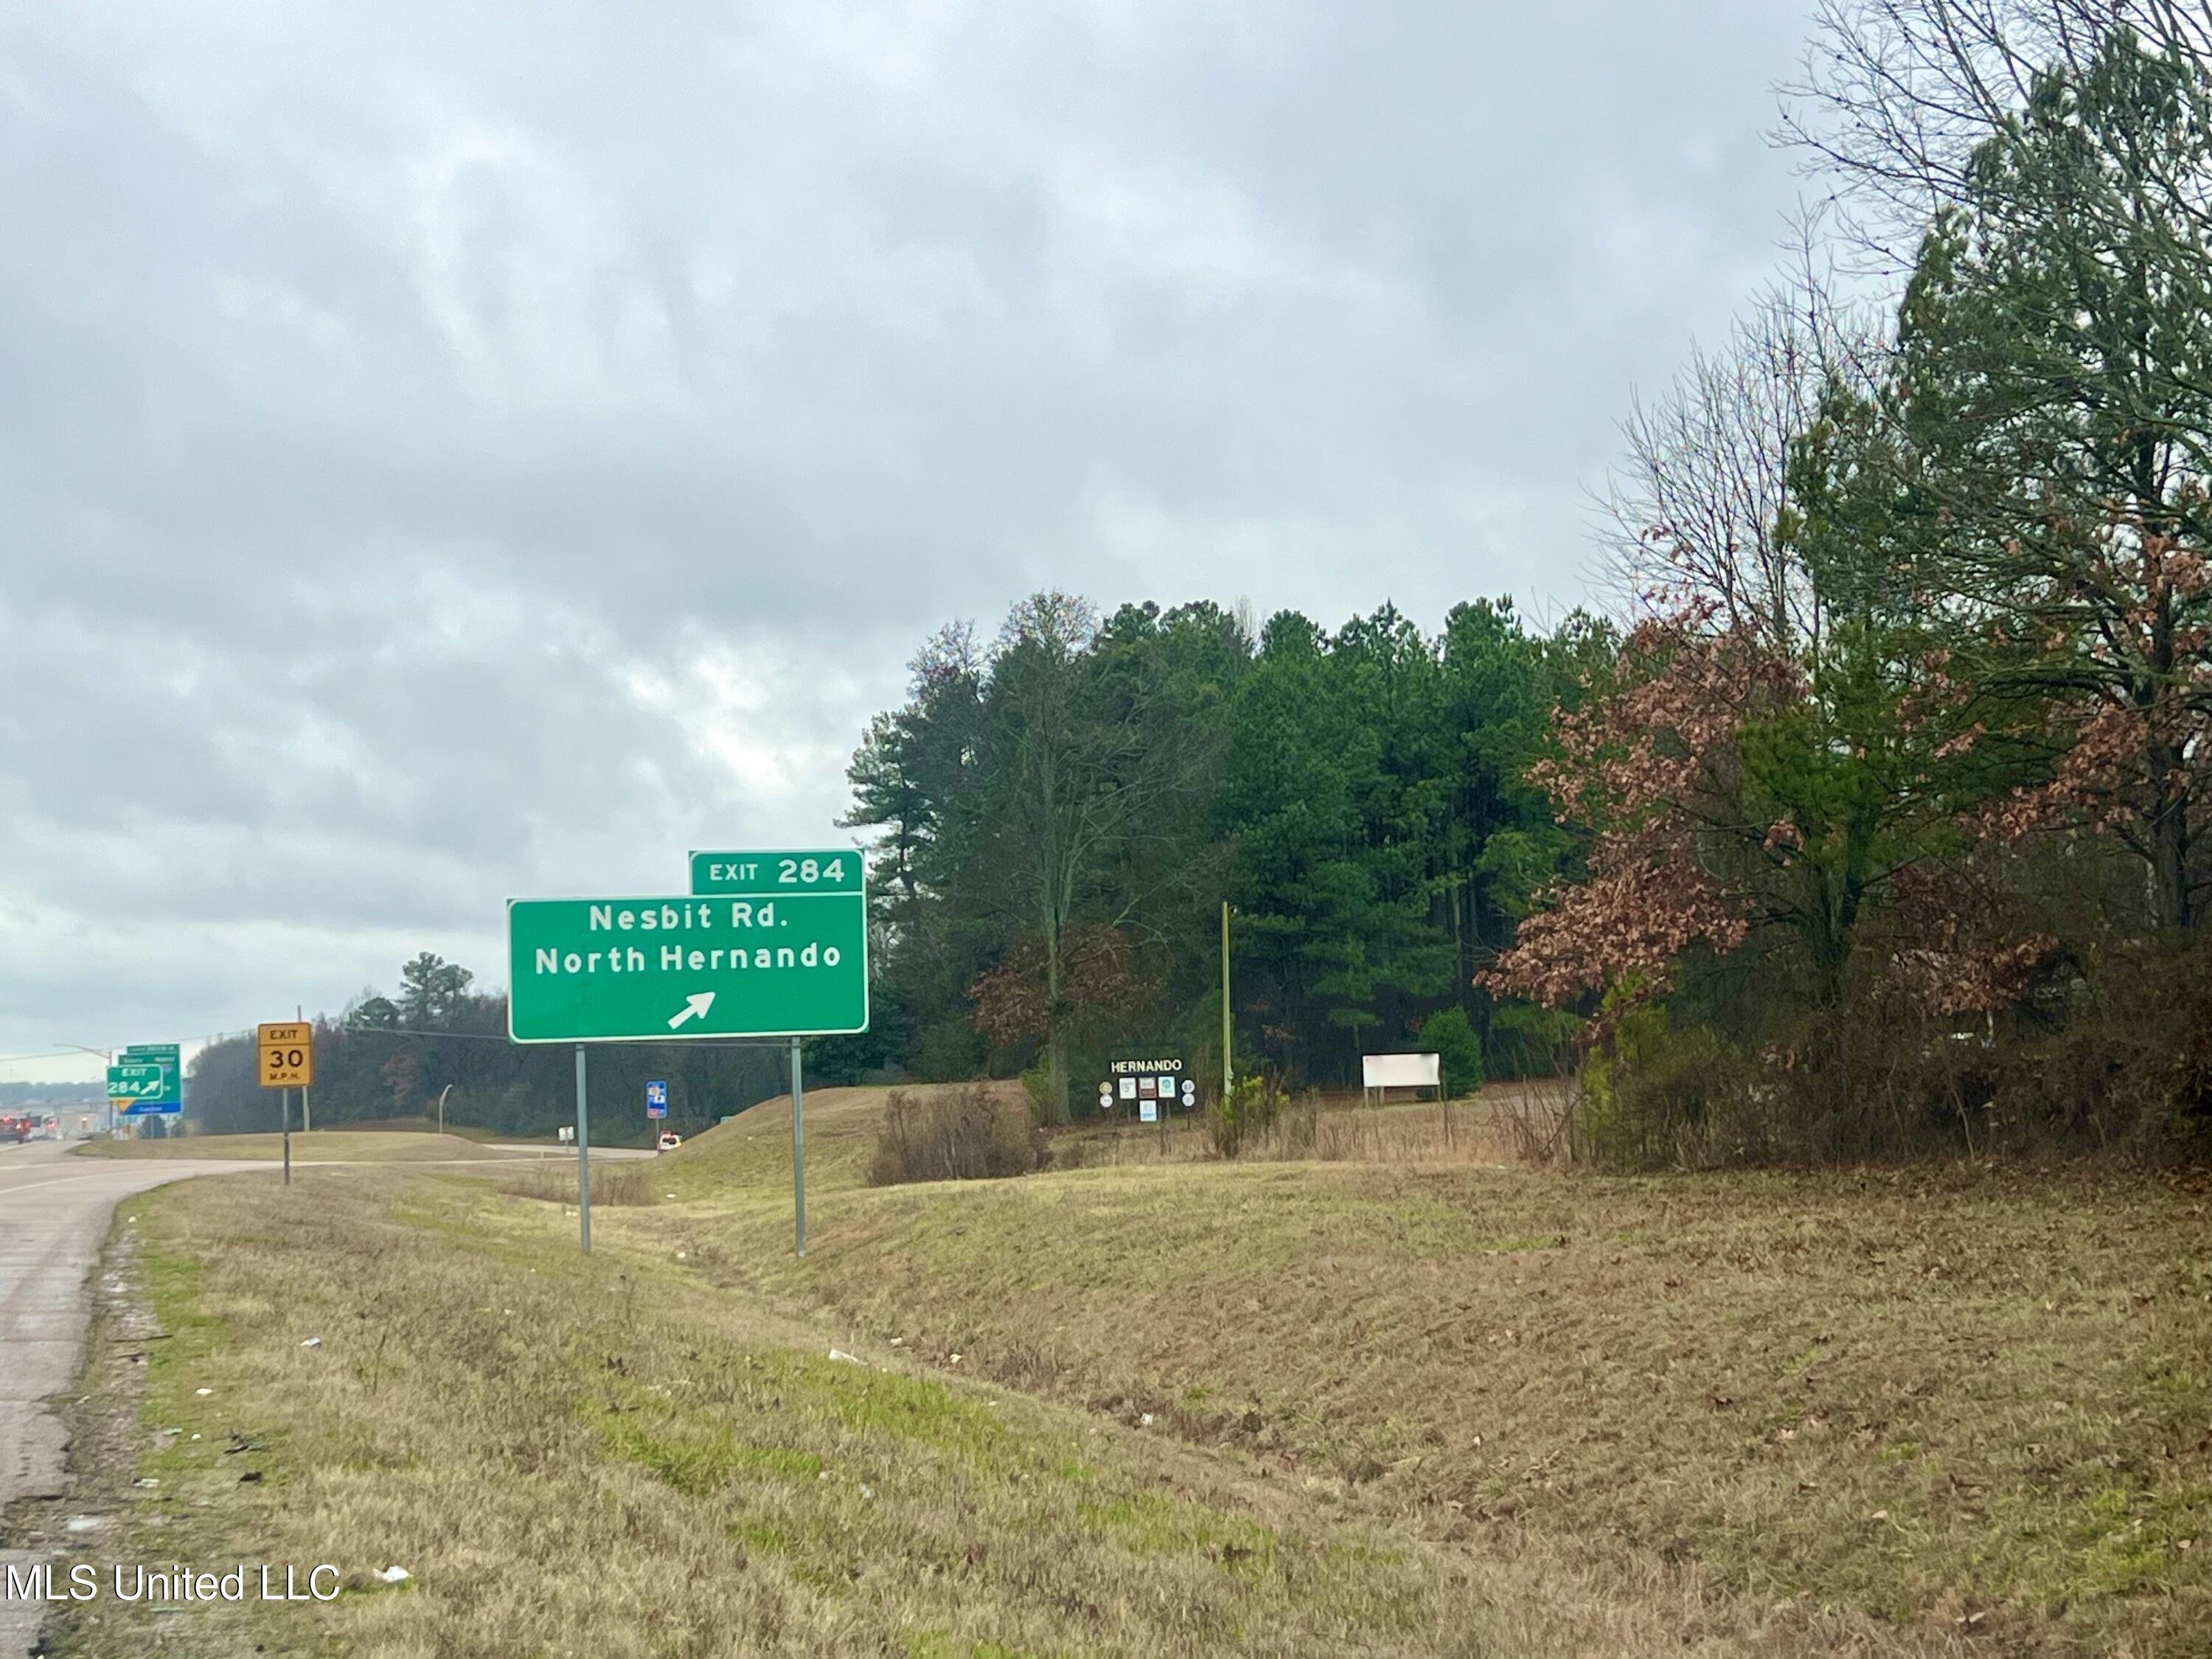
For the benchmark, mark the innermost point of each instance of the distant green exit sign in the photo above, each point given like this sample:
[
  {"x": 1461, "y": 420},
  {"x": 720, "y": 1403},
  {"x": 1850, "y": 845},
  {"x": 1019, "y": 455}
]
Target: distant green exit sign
[{"x": 791, "y": 961}]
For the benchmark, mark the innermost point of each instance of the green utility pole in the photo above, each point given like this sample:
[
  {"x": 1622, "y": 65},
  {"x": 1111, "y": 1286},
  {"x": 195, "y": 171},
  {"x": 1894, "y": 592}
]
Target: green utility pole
[
  {"x": 583, "y": 1152},
  {"x": 1228, "y": 1028},
  {"x": 797, "y": 1150}
]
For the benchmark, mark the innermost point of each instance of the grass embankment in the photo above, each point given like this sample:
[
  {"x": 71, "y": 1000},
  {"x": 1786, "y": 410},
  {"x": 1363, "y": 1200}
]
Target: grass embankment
[
  {"x": 429, "y": 1126},
  {"x": 322, "y": 1146},
  {"x": 1399, "y": 1408},
  {"x": 603, "y": 1456},
  {"x": 748, "y": 1158},
  {"x": 1962, "y": 1401}
]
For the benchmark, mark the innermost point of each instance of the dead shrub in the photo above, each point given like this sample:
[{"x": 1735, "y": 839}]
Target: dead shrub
[
  {"x": 2120, "y": 1058},
  {"x": 554, "y": 1181},
  {"x": 968, "y": 1133},
  {"x": 1536, "y": 1116},
  {"x": 1299, "y": 1127}
]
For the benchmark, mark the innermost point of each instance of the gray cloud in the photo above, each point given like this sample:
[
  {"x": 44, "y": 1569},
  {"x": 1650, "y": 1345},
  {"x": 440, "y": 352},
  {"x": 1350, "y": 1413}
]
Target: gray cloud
[{"x": 447, "y": 453}]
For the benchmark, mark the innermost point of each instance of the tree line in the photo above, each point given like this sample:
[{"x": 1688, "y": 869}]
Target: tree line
[
  {"x": 1060, "y": 813},
  {"x": 1877, "y": 819},
  {"x": 393, "y": 1057}
]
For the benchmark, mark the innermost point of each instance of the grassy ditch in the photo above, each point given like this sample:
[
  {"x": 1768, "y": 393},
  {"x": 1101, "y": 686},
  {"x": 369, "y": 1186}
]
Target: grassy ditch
[
  {"x": 606, "y": 1457},
  {"x": 1958, "y": 1402}
]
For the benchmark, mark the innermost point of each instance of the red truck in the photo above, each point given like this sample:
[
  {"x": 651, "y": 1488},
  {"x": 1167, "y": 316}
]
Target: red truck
[{"x": 14, "y": 1127}]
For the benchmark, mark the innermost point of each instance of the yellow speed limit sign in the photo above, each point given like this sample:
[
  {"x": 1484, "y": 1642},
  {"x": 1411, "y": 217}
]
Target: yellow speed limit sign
[{"x": 288, "y": 1056}]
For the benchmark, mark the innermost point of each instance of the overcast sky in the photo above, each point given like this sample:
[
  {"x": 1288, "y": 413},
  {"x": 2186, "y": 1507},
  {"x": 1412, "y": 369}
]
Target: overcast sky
[{"x": 456, "y": 451}]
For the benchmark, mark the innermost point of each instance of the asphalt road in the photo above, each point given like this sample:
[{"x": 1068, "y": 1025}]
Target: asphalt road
[{"x": 53, "y": 1214}]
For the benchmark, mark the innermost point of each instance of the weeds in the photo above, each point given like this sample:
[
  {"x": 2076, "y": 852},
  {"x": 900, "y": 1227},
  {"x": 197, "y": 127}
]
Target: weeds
[
  {"x": 628, "y": 1184},
  {"x": 971, "y": 1133},
  {"x": 1252, "y": 1107}
]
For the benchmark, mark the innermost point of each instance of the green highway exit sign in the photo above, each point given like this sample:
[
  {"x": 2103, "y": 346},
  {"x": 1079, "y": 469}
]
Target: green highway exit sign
[
  {"x": 136, "y": 1082},
  {"x": 167, "y": 1056},
  {"x": 791, "y": 961},
  {"x": 838, "y": 870}
]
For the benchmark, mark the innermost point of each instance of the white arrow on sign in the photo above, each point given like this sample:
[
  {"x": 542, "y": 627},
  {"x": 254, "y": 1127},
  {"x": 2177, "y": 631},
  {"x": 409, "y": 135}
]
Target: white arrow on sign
[{"x": 694, "y": 1008}]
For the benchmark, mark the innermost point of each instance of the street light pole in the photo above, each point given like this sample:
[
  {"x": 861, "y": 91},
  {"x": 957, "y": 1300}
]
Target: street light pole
[{"x": 443, "y": 1093}]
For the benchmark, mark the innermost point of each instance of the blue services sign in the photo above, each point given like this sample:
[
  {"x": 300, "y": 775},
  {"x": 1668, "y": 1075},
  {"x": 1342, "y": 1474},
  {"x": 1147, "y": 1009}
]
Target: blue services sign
[{"x": 656, "y": 1099}]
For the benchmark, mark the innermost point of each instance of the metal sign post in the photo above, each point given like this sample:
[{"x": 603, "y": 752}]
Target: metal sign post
[
  {"x": 285, "y": 1096},
  {"x": 798, "y": 1149},
  {"x": 583, "y": 1152}
]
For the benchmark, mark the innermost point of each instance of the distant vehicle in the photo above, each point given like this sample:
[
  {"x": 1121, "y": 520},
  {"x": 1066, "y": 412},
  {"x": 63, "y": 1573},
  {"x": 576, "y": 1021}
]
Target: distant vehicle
[
  {"x": 51, "y": 1129},
  {"x": 670, "y": 1140},
  {"x": 13, "y": 1128}
]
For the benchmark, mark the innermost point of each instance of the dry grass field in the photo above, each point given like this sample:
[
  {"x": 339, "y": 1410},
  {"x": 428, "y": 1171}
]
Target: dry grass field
[
  {"x": 603, "y": 1458},
  {"x": 322, "y": 1146},
  {"x": 1399, "y": 1405},
  {"x": 1957, "y": 1398}
]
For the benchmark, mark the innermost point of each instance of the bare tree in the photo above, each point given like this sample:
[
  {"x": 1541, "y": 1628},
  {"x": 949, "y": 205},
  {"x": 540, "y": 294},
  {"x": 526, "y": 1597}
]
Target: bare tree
[
  {"x": 1701, "y": 507},
  {"x": 1898, "y": 97}
]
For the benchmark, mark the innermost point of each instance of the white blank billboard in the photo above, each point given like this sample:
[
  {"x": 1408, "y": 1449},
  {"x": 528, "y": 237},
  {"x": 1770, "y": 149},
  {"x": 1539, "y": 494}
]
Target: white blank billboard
[{"x": 1401, "y": 1072}]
